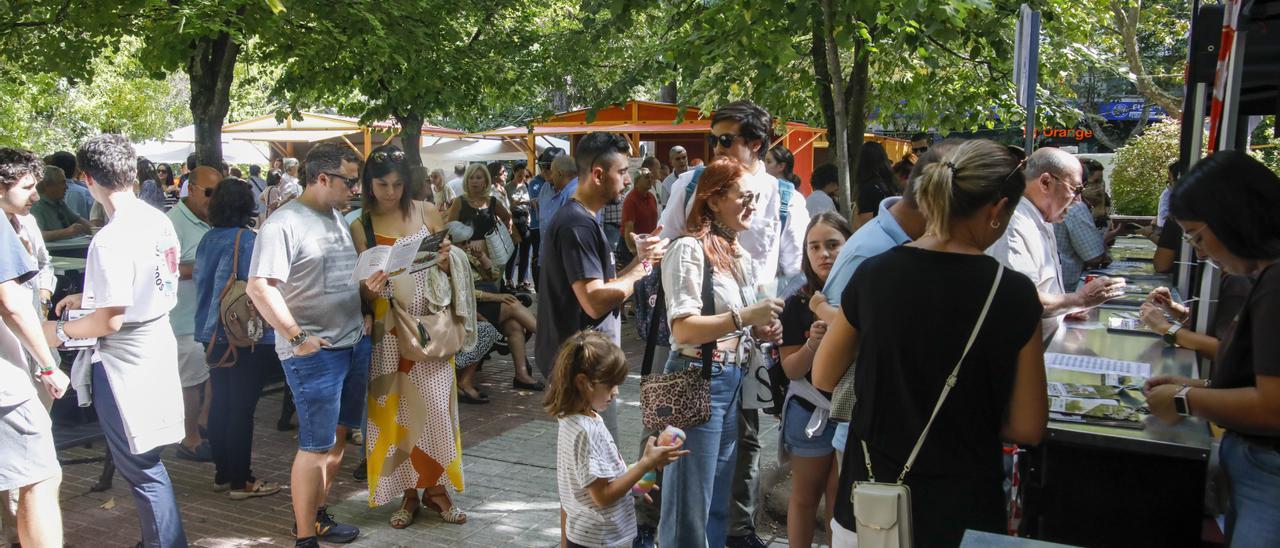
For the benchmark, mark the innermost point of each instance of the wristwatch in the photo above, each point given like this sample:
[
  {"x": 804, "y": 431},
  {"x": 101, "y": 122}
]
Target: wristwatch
[
  {"x": 1180, "y": 403},
  {"x": 61, "y": 332},
  {"x": 297, "y": 340},
  {"x": 1171, "y": 336}
]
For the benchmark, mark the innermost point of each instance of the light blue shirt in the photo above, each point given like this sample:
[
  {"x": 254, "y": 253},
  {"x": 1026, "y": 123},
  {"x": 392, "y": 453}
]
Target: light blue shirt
[
  {"x": 1079, "y": 240},
  {"x": 879, "y": 235},
  {"x": 190, "y": 230},
  {"x": 550, "y": 200},
  {"x": 78, "y": 199}
]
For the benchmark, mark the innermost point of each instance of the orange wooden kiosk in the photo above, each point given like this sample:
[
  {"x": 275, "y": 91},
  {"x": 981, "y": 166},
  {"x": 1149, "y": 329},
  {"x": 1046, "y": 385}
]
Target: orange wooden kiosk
[{"x": 662, "y": 124}]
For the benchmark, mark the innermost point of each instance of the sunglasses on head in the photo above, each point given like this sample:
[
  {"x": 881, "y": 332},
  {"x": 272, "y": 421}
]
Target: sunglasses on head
[
  {"x": 383, "y": 156},
  {"x": 724, "y": 140}
]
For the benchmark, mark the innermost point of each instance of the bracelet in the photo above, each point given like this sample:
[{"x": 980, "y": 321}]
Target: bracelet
[{"x": 737, "y": 319}]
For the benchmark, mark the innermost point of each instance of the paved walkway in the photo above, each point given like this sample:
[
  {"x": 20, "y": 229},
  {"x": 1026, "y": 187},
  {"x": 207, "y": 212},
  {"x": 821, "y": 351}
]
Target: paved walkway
[{"x": 509, "y": 466}]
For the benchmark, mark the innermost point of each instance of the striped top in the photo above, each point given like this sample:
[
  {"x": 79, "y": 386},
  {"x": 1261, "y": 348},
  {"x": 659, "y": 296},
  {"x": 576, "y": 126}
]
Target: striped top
[{"x": 586, "y": 452}]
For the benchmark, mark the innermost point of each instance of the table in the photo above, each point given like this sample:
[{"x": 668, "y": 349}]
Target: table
[
  {"x": 70, "y": 247},
  {"x": 63, "y": 265},
  {"x": 1111, "y": 486}
]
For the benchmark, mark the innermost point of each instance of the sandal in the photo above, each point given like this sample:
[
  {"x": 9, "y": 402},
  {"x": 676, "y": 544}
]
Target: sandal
[
  {"x": 452, "y": 515},
  {"x": 479, "y": 399},
  {"x": 405, "y": 517},
  {"x": 255, "y": 489}
]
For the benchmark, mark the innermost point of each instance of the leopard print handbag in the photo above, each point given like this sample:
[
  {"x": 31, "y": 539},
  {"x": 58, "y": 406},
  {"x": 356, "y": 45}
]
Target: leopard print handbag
[{"x": 682, "y": 398}]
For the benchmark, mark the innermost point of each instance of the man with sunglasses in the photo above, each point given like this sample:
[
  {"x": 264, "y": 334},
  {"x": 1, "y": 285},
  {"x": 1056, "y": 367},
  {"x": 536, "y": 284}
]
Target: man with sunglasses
[
  {"x": 301, "y": 280},
  {"x": 920, "y": 143},
  {"x": 742, "y": 130},
  {"x": 1054, "y": 180},
  {"x": 190, "y": 218}
]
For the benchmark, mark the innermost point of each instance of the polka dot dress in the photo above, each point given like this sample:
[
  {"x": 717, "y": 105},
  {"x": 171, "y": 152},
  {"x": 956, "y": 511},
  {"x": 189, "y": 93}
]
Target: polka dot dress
[{"x": 412, "y": 437}]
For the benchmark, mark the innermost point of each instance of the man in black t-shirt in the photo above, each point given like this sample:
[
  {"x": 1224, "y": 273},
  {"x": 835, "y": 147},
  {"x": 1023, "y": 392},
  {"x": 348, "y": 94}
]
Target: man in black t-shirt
[{"x": 580, "y": 287}]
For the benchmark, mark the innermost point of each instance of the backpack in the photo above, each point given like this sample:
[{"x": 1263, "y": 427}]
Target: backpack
[
  {"x": 237, "y": 316},
  {"x": 646, "y": 289}
]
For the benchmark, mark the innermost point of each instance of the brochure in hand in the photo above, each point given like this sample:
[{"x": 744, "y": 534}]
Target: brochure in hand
[{"x": 419, "y": 252}]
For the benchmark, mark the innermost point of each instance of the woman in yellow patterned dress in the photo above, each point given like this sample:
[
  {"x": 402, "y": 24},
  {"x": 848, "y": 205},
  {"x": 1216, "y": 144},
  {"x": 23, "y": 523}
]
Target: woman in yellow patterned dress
[{"x": 411, "y": 438}]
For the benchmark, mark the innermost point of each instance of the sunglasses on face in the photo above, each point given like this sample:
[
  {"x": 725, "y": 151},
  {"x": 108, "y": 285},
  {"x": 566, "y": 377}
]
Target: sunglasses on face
[
  {"x": 383, "y": 157},
  {"x": 208, "y": 192},
  {"x": 724, "y": 140},
  {"x": 351, "y": 182},
  {"x": 919, "y": 150}
]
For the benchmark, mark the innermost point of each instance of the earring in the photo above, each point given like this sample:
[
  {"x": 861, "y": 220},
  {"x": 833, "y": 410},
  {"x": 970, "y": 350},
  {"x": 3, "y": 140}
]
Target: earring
[{"x": 995, "y": 224}]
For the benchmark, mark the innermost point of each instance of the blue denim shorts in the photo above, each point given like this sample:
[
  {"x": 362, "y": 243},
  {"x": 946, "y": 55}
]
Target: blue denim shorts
[
  {"x": 794, "y": 439},
  {"x": 329, "y": 389}
]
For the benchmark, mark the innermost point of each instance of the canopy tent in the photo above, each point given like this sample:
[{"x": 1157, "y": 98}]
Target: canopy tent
[
  {"x": 669, "y": 125},
  {"x": 179, "y": 143},
  {"x": 444, "y": 152},
  {"x": 315, "y": 127}
]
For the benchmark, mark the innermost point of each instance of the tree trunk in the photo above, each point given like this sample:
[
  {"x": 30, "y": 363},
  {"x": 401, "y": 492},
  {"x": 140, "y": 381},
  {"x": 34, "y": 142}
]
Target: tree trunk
[
  {"x": 836, "y": 75},
  {"x": 411, "y": 138},
  {"x": 858, "y": 87},
  {"x": 667, "y": 93},
  {"x": 1126, "y": 21},
  {"x": 211, "y": 70}
]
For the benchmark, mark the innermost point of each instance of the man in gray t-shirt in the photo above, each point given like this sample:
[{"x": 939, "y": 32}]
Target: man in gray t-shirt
[{"x": 300, "y": 280}]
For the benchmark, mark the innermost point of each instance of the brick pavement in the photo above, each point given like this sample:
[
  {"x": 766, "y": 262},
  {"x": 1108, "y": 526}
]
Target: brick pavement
[{"x": 509, "y": 469}]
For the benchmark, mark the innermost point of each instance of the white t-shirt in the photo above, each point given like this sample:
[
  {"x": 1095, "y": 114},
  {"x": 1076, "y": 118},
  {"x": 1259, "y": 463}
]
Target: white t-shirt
[
  {"x": 585, "y": 452},
  {"x": 139, "y": 243},
  {"x": 819, "y": 202},
  {"x": 1162, "y": 208},
  {"x": 1029, "y": 246}
]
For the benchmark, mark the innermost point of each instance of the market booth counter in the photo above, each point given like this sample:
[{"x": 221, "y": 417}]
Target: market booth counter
[{"x": 1100, "y": 482}]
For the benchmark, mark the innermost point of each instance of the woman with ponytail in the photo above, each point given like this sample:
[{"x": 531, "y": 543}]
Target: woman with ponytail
[{"x": 907, "y": 315}]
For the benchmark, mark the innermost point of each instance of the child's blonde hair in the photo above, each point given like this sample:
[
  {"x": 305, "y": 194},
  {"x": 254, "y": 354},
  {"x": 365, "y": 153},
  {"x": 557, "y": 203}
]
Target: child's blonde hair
[{"x": 587, "y": 353}]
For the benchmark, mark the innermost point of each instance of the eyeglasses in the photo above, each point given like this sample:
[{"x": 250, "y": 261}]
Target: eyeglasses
[
  {"x": 351, "y": 182},
  {"x": 724, "y": 140},
  {"x": 208, "y": 192},
  {"x": 1075, "y": 190},
  {"x": 383, "y": 156},
  {"x": 1193, "y": 237},
  {"x": 919, "y": 150},
  {"x": 749, "y": 198}
]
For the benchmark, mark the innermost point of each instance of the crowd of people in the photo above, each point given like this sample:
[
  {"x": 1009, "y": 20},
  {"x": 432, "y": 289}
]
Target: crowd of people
[{"x": 197, "y": 288}]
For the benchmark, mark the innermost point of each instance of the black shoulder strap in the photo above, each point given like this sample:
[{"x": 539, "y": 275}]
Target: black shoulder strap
[{"x": 659, "y": 313}]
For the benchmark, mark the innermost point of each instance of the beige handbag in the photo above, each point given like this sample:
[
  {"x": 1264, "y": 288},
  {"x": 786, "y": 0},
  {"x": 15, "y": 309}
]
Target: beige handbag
[
  {"x": 433, "y": 337},
  {"x": 882, "y": 511}
]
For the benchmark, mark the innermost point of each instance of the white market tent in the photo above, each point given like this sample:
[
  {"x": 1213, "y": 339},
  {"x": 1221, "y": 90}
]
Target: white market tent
[
  {"x": 179, "y": 143},
  {"x": 315, "y": 127},
  {"x": 444, "y": 152}
]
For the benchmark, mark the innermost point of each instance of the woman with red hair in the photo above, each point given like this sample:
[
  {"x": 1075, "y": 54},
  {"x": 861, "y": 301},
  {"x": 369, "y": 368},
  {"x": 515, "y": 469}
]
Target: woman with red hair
[{"x": 696, "y": 489}]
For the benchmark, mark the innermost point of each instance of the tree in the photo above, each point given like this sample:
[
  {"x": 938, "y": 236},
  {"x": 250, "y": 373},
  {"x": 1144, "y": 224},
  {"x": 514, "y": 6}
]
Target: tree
[{"x": 1141, "y": 169}]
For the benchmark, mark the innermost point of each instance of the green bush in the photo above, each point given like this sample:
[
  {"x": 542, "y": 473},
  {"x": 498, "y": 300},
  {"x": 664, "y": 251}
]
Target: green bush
[{"x": 1142, "y": 168}]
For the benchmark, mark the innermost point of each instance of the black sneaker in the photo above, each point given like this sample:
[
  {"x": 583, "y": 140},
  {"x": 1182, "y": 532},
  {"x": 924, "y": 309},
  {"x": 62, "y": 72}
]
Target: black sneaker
[
  {"x": 331, "y": 531},
  {"x": 645, "y": 537},
  {"x": 749, "y": 540},
  {"x": 309, "y": 542}
]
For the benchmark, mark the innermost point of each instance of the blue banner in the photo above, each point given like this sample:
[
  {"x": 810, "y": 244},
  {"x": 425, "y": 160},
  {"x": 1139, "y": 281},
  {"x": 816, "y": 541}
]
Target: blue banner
[{"x": 1129, "y": 109}]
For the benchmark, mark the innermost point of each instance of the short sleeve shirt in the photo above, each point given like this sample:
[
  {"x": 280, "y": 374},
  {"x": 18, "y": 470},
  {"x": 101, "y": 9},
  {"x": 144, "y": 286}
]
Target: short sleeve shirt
[
  {"x": 574, "y": 248},
  {"x": 904, "y": 360},
  {"x": 133, "y": 263},
  {"x": 1079, "y": 240},
  {"x": 16, "y": 265},
  {"x": 1030, "y": 247},
  {"x": 53, "y": 214},
  {"x": 585, "y": 452},
  {"x": 190, "y": 230},
  {"x": 640, "y": 208},
  {"x": 311, "y": 254},
  {"x": 1253, "y": 348}
]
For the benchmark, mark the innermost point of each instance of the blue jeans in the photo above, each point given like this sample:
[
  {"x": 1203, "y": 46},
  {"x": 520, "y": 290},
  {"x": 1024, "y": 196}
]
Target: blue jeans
[
  {"x": 1254, "y": 473},
  {"x": 329, "y": 389},
  {"x": 148, "y": 480},
  {"x": 696, "y": 489}
]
